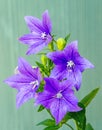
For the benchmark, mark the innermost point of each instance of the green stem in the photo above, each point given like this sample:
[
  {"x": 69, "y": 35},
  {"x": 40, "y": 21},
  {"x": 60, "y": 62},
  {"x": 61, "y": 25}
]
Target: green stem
[
  {"x": 69, "y": 126},
  {"x": 77, "y": 125}
]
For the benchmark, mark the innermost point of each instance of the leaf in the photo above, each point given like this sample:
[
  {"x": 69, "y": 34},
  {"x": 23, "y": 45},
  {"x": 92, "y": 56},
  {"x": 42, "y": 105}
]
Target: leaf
[
  {"x": 67, "y": 37},
  {"x": 88, "y": 98},
  {"x": 79, "y": 117},
  {"x": 41, "y": 108},
  {"x": 47, "y": 122},
  {"x": 89, "y": 127},
  {"x": 51, "y": 128},
  {"x": 44, "y": 70}
]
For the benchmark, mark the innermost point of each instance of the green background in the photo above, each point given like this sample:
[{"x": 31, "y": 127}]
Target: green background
[{"x": 81, "y": 18}]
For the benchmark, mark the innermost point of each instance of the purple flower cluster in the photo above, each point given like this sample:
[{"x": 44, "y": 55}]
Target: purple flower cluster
[
  {"x": 58, "y": 94},
  {"x": 40, "y": 33}
]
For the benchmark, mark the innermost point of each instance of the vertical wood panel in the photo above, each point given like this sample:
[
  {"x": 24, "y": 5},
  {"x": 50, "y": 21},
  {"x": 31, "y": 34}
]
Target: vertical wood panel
[{"x": 82, "y": 19}]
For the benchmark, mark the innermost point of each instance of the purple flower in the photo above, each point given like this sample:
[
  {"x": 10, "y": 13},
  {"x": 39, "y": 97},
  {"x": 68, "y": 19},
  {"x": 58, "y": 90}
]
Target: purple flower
[
  {"x": 59, "y": 98},
  {"x": 26, "y": 81},
  {"x": 40, "y": 33},
  {"x": 69, "y": 64}
]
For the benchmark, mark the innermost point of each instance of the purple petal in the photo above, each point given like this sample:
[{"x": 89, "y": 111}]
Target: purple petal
[
  {"x": 71, "y": 100},
  {"x": 83, "y": 64},
  {"x": 47, "y": 22},
  {"x": 18, "y": 81},
  {"x": 37, "y": 72},
  {"x": 34, "y": 24},
  {"x": 25, "y": 68},
  {"x": 30, "y": 38},
  {"x": 45, "y": 98},
  {"x": 58, "y": 72},
  {"x": 71, "y": 50},
  {"x": 58, "y": 109},
  {"x": 57, "y": 57},
  {"x": 23, "y": 96},
  {"x": 76, "y": 76},
  {"x": 35, "y": 48},
  {"x": 67, "y": 84},
  {"x": 52, "y": 85}
]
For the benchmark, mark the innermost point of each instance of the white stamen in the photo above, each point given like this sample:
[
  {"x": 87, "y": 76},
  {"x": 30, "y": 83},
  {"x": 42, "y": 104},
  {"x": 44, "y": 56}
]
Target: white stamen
[
  {"x": 43, "y": 35},
  {"x": 59, "y": 95},
  {"x": 16, "y": 71},
  {"x": 70, "y": 64},
  {"x": 34, "y": 83}
]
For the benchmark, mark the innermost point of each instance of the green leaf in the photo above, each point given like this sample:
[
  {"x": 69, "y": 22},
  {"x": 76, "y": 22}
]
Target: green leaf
[
  {"x": 89, "y": 127},
  {"x": 41, "y": 108},
  {"x": 47, "y": 122},
  {"x": 67, "y": 37},
  {"x": 79, "y": 118},
  {"x": 88, "y": 98},
  {"x": 51, "y": 128},
  {"x": 44, "y": 70},
  {"x": 40, "y": 65}
]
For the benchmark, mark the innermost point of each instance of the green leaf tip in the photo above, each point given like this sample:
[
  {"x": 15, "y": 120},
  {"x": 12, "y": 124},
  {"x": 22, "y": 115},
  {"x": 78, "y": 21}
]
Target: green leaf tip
[
  {"x": 88, "y": 98},
  {"x": 89, "y": 127}
]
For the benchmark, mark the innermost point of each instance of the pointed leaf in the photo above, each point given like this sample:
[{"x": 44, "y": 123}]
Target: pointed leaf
[
  {"x": 41, "y": 66},
  {"x": 67, "y": 37},
  {"x": 41, "y": 108},
  {"x": 51, "y": 128},
  {"x": 79, "y": 117},
  {"x": 47, "y": 122},
  {"x": 88, "y": 98},
  {"x": 89, "y": 127}
]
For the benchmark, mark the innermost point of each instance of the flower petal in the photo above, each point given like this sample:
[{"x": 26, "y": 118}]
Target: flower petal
[
  {"x": 34, "y": 24},
  {"x": 58, "y": 109},
  {"x": 71, "y": 100},
  {"x": 30, "y": 39},
  {"x": 18, "y": 81},
  {"x": 25, "y": 68},
  {"x": 76, "y": 76},
  {"x": 52, "y": 85},
  {"x": 58, "y": 72},
  {"x": 47, "y": 22},
  {"x": 44, "y": 98},
  {"x": 83, "y": 64},
  {"x": 23, "y": 96},
  {"x": 35, "y": 48},
  {"x": 71, "y": 50},
  {"x": 57, "y": 57}
]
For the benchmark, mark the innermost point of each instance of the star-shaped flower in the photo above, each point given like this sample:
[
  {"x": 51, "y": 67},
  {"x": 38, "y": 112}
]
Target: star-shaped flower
[
  {"x": 26, "y": 81},
  {"x": 40, "y": 33},
  {"x": 69, "y": 64},
  {"x": 58, "y": 97}
]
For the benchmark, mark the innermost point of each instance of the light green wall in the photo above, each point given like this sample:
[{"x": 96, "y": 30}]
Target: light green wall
[{"x": 81, "y": 18}]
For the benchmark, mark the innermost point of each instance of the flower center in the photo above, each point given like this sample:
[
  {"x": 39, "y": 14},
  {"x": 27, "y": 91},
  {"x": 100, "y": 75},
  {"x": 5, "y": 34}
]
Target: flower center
[
  {"x": 70, "y": 64},
  {"x": 34, "y": 83},
  {"x": 43, "y": 35},
  {"x": 59, "y": 95}
]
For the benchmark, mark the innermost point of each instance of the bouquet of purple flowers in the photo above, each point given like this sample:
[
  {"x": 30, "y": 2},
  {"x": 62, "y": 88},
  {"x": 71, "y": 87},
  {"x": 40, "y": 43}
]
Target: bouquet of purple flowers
[{"x": 54, "y": 81}]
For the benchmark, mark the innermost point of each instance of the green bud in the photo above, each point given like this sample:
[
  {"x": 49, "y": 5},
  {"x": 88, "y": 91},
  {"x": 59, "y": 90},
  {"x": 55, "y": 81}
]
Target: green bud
[
  {"x": 50, "y": 45},
  {"x": 44, "y": 59},
  {"x": 60, "y": 43}
]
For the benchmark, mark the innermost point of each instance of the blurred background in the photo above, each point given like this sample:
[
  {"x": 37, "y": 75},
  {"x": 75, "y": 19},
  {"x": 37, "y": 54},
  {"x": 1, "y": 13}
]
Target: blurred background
[{"x": 81, "y": 18}]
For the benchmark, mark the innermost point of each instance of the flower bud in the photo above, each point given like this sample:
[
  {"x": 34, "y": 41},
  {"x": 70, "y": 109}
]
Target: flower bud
[
  {"x": 61, "y": 43},
  {"x": 44, "y": 59},
  {"x": 51, "y": 47}
]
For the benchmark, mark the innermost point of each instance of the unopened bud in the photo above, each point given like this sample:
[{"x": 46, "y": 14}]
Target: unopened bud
[
  {"x": 44, "y": 59},
  {"x": 51, "y": 47},
  {"x": 61, "y": 43}
]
